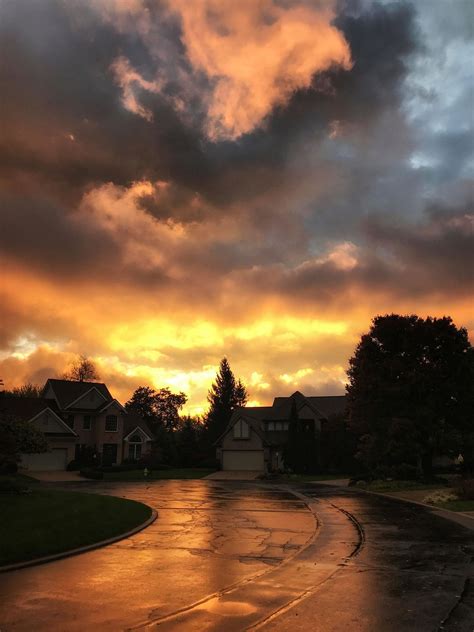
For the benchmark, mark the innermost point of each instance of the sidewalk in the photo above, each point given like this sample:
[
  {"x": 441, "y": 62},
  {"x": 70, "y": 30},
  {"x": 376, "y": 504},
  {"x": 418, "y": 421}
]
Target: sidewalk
[{"x": 54, "y": 477}]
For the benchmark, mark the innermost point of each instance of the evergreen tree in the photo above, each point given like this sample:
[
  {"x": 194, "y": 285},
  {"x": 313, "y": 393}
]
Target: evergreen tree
[
  {"x": 224, "y": 396},
  {"x": 301, "y": 453}
]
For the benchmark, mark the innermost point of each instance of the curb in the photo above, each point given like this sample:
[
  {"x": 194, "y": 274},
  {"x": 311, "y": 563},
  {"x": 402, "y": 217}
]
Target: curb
[
  {"x": 81, "y": 549},
  {"x": 455, "y": 516}
]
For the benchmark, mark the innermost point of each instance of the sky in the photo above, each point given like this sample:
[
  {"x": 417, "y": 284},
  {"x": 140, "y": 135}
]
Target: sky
[{"x": 183, "y": 180}]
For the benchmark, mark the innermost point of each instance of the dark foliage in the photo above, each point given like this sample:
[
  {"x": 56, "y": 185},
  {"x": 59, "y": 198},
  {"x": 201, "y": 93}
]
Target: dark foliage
[
  {"x": 301, "y": 453},
  {"x": 410, "y": 392},
  {"x": 83, "y": 370},
  {"x": 338, "y": 446},
  {"x": 225, "y": 395}
]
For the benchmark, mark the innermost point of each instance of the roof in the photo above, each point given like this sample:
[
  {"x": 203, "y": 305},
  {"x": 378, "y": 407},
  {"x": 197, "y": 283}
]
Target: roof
[
  {"x": 25, "y": 408},
  {"x": 280, "y": 410},
  {"x": 132, "y": 420},
  {"x": 329, "y": 404},
  {"x": 67, "y": 391}
]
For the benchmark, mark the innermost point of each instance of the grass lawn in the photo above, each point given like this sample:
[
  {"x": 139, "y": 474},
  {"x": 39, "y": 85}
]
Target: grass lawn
[
  {"x": 43, "y": 522},
  {"x": 155, "y": 475},
  {"x": 398, "y": 486},
  {"x": 457, "y": 505},
  {"x": 301, "y": 478}
]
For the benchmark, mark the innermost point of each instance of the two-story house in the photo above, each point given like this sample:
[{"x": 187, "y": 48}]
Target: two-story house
[
  {"x": 255, "y": 436},
  {"x": 78, "y": 415}
]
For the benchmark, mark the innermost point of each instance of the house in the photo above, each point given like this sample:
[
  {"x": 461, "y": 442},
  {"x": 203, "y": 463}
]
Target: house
[
  {"x": 79, "y": 415},
  {"x": 255, "y": 436}
]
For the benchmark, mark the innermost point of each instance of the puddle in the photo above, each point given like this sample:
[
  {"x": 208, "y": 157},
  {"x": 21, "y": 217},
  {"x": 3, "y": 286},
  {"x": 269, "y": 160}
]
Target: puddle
[{"x": 227, "y": 608}]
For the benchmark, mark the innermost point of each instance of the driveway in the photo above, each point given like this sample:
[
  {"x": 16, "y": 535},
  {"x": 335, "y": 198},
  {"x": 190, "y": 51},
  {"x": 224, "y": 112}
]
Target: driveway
[{"x": 227, "y": 556}]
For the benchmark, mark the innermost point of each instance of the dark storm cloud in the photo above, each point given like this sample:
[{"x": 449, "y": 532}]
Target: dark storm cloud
[
  {"x": 62, "y": 86},
  {"x": 291, "y": 187}
]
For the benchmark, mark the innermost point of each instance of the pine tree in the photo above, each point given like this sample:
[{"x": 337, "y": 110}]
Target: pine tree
[{"x": 224, "y": 396}]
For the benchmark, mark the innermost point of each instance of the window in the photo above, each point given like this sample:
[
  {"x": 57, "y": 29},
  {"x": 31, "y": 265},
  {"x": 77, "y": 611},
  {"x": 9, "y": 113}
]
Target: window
[
  {"x": 286, "y": 425},
  {"x": 271, "y": 425},
  {"x": 241, "y": 430},
  {"x": 111, "y": 423},
  {"x": 135, "y": 447},
  {"x": 70, "y": 421},
  {"x": 86, "y": 422},
  {"x": 134, "y": 451}
]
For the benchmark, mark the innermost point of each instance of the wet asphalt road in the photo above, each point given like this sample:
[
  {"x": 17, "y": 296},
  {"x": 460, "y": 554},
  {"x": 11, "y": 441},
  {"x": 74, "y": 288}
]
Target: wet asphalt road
[{"x": 237, "y": 556}]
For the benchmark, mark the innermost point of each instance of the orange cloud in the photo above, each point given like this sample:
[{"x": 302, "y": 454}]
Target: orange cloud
[{"x": 256, "y": 54}]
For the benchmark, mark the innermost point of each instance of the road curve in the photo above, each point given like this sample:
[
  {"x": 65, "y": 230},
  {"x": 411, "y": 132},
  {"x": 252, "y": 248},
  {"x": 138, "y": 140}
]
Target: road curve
[{"x": 227, "y": 556}]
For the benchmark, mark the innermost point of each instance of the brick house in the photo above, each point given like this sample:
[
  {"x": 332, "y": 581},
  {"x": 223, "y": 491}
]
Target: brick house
[{"x": 79, "y": 415}]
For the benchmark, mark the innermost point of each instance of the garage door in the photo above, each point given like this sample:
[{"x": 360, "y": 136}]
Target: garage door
[
  {"x": 242, "y": 460},
  {"x": 54, "y": 460}
]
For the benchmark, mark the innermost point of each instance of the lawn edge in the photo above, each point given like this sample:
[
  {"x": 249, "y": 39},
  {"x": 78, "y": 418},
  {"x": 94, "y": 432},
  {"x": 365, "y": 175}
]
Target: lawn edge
[
  {"x": 458, "y": 517},
  {"x": 81, "y": 549}
]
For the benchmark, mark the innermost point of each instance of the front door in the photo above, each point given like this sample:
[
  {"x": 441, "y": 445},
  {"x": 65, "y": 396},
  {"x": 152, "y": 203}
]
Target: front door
[{"x": 109, "y": 453}]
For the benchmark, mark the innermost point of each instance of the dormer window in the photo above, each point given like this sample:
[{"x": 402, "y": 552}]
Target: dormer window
[
  {"x": 241, "y": 430},
  {"x": 111, "y": 423}
]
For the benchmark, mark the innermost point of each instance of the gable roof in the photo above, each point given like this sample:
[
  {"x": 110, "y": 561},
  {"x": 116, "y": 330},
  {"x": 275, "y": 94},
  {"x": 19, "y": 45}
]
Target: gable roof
[
  {"x": 329, "y": 404},
  {"x": 25, "y": 408},
  {"x": 28, "y": 408},
  {"x": 280, "y": 410},
  {"x": 135, "y": 430},
  {"x": 68, "y": 391},
  {"x": 132, "y": 421}
]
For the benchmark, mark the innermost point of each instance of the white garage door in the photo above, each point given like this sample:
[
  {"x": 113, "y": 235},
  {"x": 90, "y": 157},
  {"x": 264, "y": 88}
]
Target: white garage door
[
  {"x": 54, "y": 460},
  {"x": 243, "y": 460}
]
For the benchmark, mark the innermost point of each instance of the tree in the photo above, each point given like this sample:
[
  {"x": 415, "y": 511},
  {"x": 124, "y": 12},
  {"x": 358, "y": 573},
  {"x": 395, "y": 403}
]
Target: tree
[
  {"x": 17, "y": 437},
  {"x": 83, "y": 370},
  {"x": 224, "y": 396},
  {"x": 301, "y": 452},
  {"x": 338, "y": 445},
  {"x": 26, "y": 390},
  {"x": 158, "y": 408},
  {"x": 410, "y": 391}
]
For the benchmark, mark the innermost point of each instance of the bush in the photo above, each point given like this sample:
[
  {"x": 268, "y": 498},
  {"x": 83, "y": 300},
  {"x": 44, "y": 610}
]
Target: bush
[
  {"x": 10, "y": 486},
  {"x": 465, "y": 488},
  {"x": 405, "y": 472},
  {"x": 73, "y": 466},
  {"x": 210, "y": 463},
  {"x": 123, "y": 467},
  {"x": 87, "y": 472},
  {"x": 9, "y": 467}
]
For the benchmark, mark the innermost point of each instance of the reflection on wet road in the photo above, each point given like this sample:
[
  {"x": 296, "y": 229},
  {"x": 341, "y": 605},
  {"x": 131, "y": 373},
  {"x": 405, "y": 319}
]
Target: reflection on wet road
[{"x": 235, "y": 556}]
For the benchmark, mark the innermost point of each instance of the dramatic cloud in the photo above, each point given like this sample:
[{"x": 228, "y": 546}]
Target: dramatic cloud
[
  {"x": 185, "y": 180},
  {"x": 256, "y": 55}
]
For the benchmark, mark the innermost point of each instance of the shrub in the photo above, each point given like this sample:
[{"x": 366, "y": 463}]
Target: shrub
[
  {"x": 10, "y": 486},
  {"x": 88, "y": 472},
  {"x": 465, "y": 488},
  {"x": 8, "y": 467},
  {"x": 123, "y": 467},
  {"x": 210, "y": 463},
  {"x": 405, "y": 472},
  {"x": 440, "y": 496},
  {"x": 73, "y": 466}
]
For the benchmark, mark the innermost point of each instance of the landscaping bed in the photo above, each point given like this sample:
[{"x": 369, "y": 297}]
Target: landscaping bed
[
  {"x": 44, "y": 522},
  {"x": 155, "y": 475}
]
